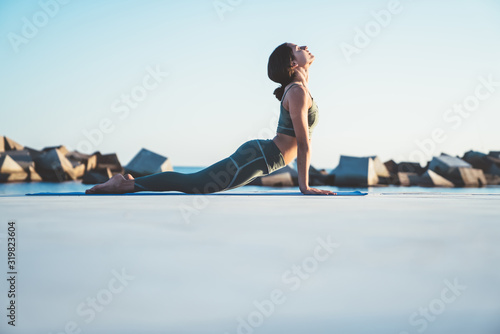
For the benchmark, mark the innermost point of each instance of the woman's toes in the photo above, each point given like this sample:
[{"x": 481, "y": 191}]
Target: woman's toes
[{"x": 129, "y": 177}]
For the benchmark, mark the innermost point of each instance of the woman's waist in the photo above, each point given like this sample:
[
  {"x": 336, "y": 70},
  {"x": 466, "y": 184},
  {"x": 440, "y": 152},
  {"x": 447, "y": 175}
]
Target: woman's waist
[{"x": 287, "y": 146}]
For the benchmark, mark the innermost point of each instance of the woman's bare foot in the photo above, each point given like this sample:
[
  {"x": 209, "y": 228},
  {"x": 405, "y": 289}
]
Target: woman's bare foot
[{"x": 117, "y": 184}]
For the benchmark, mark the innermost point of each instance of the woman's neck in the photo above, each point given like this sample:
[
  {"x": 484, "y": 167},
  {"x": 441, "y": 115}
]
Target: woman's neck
[{"x": 302, "y": 76}]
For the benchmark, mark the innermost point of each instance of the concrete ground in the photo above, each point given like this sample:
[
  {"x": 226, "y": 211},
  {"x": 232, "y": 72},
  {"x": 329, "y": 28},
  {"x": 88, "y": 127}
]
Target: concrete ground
[{"x": 249, "y": 263}]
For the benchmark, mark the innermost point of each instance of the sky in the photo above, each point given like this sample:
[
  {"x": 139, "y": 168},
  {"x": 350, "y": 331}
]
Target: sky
[{"x": 404, "y": 80}]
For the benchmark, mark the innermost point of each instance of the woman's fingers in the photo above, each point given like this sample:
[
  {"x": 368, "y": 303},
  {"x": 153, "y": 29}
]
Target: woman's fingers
[{"x": 314, "y": 191}]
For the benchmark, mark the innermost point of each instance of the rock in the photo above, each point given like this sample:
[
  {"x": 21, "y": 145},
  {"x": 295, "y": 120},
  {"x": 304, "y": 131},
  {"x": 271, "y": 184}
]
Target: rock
[
  {"x": 432, "y": 179},
  {"x": 458, "y": 171},
  {"x": 492, "y": 180},
  {"x": 407, "y": 179},
  {"x": 17, "y": 166},
  {"x": 23, "y": 158},
  {"x": 33, "y": 176},
  {"x": 355, "y": 172},
  {"x": 384, "y": 177},
  {"x": 494, "y": 154},
  {"x": 53, "y": 166},
  {"x": 494, "y": 170},
  {"x": 97, "y": 176},
  {"x": 33, "y": 153},
  {"x": 403, "y": 167},
  {"x": 89, "y": 161},
  {"x": 7, "y": 144},
  {"x": 79, "y": 170},
  {"x": 109, "y": 161},
  {"x": 60, "y": 148},
  {"x": 477, "y": 160},
  {"x": 146, "y": 163},
  {"x": 289, "y": 177},
  {"x": 427, "y": 179},
  {"x": 316, "y": 177},
  {"x": 446, "y": 164},
  {"x": 9, "y": 165},
  {"x": 468, "y": 177},
  {"x": 283, "y": 177},
  {"x": 14, "y": 177},
  {"x": 410, "y": 167}
]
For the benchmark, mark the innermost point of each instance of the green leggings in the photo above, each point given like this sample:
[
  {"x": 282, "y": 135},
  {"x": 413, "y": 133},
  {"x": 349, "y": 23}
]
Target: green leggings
[{"x": 252, "y": 159}]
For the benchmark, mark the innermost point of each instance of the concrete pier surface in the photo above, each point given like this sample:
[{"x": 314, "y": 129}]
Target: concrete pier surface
[{"x": 274, "y": 262}]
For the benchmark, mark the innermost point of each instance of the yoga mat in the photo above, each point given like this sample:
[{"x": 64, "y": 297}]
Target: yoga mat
[{"x": 338, "y": 193}]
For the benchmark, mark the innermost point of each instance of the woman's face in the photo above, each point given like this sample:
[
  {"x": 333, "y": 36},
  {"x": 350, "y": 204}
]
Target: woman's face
[{"x": 302, "y": 55}]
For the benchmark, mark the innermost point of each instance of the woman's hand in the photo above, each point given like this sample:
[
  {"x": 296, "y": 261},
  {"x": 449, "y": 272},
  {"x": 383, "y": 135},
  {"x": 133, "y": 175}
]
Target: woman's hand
[{"x": 314, "y": 191}]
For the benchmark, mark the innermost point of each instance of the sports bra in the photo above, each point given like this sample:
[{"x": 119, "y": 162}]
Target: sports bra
[{"x": 285, "y": 124}]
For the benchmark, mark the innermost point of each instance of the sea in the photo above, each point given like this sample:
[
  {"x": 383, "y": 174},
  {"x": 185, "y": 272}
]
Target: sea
[{"x": 22, "y": 188}]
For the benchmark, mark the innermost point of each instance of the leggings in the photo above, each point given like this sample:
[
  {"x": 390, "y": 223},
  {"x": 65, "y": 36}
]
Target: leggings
[{"x": 252, "y": 159}]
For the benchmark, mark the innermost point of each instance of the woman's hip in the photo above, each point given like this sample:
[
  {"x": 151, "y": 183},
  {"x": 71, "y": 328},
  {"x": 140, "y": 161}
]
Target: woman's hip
[{"x": 259, "y": 149}]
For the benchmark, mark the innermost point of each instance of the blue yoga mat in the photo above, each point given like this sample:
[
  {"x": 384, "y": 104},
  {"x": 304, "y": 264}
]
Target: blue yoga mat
[{"x": 338, "y": 193}]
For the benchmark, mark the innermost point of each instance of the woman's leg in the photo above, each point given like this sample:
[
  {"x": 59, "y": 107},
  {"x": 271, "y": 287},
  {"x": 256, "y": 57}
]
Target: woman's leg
[
  {"x": 211, "y": 179},
  {"x": 252, "y": 159}
]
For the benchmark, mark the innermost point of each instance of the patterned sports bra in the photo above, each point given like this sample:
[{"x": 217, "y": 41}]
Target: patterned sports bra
[{"x": 285, "y": 124}]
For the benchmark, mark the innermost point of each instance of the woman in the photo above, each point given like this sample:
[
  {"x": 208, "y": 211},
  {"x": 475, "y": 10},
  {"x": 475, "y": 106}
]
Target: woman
[{"x": 288, "y": 65}]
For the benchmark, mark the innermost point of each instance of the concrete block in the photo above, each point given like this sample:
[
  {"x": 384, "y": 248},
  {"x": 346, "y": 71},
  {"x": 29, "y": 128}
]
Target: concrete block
[
  {"x": 316, "y": 177},
  {"x": 60, "y": 148},
  {"x": 88, "y": 160},
  {"x": 445, "y": 164},
  {"x": 494, "y": 154},
  {"x": 14, "y": 177},
  {"x": 477, "y": 160},
  {"x": 407, "y": 179},
  {"x": 384, "y": 177},
  {"x": 432, "y": 179},
  {"x": 355, "y": 172},
  {"x": 283, "y": 177},
  {"x": 492, "y": 180},
  {"x": 494, "y": 170},
  {"x": 33, "y": 176},
  {"x": 53, "y": 166},
  {"x": 147, "y": 162},
  {"x": 33, "y": 153},
  {"x": 79, "y": 170},
  {"x": 109, "y": 161},
  {"x": 9, "y": 145},
  {"x": 468, "y": 177},
  {"x": 23, "y": 158},
  {"x": 97, "y": 176},
  {"x": 9, "y": 165},
  {"x": 410, "y": 167}
]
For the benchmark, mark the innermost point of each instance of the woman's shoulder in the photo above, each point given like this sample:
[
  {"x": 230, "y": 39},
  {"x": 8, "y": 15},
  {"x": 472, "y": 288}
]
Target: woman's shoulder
[
  {"x": 295, "y": 87},
  {"x": 296, "y": 92}
]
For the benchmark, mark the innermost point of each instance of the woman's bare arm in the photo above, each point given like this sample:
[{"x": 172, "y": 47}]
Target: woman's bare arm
[{"x": 298, "y": 113}]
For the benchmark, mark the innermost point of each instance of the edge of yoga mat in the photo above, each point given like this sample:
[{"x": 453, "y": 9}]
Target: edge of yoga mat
[{"x": 338, "y": 193}]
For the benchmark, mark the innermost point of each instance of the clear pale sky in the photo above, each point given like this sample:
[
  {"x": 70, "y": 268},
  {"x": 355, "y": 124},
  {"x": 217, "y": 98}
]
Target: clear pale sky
[{"x": 386, "y": 77}]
